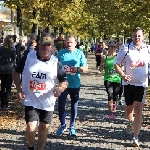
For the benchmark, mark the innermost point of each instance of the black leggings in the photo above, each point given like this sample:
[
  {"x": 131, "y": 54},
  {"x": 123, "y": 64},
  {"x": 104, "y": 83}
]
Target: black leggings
[
  {"x": 112, "y": 89},
  {"x": 98, "y": 61},
  {"x": 121, "y": 90},
  {"x": 6, "y": 82}
]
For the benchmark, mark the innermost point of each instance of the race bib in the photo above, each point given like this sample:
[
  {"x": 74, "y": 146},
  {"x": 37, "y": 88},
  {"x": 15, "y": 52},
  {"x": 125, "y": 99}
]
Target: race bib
[
  {"x": 111, "y": 72},
  {"x": 36, "y": 86},
  {"x": 68, "y": 70}
]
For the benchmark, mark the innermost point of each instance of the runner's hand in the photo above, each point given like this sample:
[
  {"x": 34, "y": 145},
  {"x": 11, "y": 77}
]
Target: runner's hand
[
  {"x": 126, "y": 78},
  {"x": 20, "y": 95},
  {"x": 57, "y": 92},
  {"x": 73, "y": 69}
]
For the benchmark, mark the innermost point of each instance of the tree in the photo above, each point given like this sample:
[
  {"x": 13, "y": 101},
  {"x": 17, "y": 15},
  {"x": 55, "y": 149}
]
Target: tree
[
  {"x": 85, "y": 17},
  {"x": 19, "y": 19}
]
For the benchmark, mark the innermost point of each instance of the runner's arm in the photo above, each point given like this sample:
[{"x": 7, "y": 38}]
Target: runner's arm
[
  {"x": 17, "y": 71},
  {"x": 83, "y": 64},
  {"x": 119, "y": 70},
  {"x": 119, "y": 60},
  {"x": 62, "y": 78}
]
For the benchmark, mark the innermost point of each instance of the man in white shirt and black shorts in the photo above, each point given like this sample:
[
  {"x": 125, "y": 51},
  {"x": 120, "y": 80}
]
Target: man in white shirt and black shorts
[{"x": 135, "y": 57}]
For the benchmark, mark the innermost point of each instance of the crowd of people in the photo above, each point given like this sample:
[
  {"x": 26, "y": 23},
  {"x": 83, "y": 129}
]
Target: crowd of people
[{"x": 124, "y": 67}]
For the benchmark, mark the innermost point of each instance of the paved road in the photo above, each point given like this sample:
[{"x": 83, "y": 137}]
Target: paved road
[{"x": 94, "y": 130}]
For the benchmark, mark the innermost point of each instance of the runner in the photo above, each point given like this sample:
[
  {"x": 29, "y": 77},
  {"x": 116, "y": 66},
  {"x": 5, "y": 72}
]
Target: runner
[
  {"x": 98, "y": 55},
  {"x": 38, "y": 90},
  {"x": 112, "y": 80},
  {"x": 74, "y": 62},
  {"x": 135, "y": 57}
]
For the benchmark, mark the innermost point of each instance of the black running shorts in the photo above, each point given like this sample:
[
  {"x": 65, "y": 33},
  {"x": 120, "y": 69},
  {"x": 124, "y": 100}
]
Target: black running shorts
[
  {"x": 134, "y": 93},
  {"x": 34, "y": 114}
]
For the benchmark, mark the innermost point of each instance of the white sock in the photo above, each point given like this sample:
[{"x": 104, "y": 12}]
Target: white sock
[{"x": 135, "y": 137}]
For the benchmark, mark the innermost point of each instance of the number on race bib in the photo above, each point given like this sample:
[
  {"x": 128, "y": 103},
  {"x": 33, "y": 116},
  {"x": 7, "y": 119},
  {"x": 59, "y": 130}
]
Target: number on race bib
[
  {"x": 111, "y": 72},
  {"x": 36, "y": 86},
  {"x": 67, "y": 69}
]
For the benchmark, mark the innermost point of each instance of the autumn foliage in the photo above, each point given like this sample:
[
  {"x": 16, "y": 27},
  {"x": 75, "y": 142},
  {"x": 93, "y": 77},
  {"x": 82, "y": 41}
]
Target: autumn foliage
[{"x": 85, "y": 17}]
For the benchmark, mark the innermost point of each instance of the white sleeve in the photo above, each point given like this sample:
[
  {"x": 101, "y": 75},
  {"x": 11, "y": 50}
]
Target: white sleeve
[
  {"x": 121, "y": 54},
  {"x": 148, "y": 53}
]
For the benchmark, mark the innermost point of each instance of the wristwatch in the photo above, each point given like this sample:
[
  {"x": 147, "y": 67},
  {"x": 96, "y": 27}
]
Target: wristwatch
[{"x": 78, "y": 69}]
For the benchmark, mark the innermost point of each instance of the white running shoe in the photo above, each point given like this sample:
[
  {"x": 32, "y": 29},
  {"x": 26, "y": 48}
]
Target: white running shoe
[{"x": 136, "y": 142}]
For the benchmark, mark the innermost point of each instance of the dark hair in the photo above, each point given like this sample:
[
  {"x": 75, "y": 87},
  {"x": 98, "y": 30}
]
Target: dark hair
[
  {"x": 129, "y": 40},
  {"x": 137, "y": 29},
  {"x": 31, "y": 42},
  {"x": 81, "y": 43},
  {"x": 9, "y": 42}
]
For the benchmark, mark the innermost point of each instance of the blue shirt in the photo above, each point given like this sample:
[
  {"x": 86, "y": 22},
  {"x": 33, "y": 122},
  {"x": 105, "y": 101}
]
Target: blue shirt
[{"x": 74, "y": 58}]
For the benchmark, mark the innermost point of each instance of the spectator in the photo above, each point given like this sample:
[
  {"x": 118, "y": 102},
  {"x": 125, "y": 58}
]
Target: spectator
[
  {"x": 32, "y": 45},
  {"x": 33, "y": 36},
  {"x": 20, "y": 48},
  {"x": 7, "y": 62}
]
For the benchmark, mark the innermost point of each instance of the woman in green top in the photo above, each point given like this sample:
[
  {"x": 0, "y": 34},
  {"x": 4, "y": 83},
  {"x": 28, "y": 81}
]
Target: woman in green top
[{"x": 112, "y": 80}]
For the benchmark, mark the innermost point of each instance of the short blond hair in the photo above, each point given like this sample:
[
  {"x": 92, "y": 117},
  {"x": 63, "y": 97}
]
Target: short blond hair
[{"x": 70, "y": 36}]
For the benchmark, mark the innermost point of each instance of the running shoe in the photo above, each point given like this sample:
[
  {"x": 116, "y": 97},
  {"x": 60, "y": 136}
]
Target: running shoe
[
  {"x": 136, "y": 142},
  {"x": 31, "y": 148},
  {"x": 13, "y": 86},
  {"x": 61, "y": 130},
  {"x": 72, "y": 131},
  {"x": 114, "y": 106},
  {"x": 130, "y": 128},
  {"x": 120, "y": 102},
  {"x": 111, "y": 116}
]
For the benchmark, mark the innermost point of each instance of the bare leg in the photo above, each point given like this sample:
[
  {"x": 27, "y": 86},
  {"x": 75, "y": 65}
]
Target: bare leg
[
  {"x": 31, "y": 132},
  {"x": 42, "y": 135},
  {"x": 129, "y": 113},
  {"x": 138, "y": 107},
  {"x": 110, "y": 106}
]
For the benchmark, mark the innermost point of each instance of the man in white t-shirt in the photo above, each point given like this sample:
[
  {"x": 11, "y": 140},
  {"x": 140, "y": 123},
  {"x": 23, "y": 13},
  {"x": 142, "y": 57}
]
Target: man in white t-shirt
[{"x": 135, "y": 57}]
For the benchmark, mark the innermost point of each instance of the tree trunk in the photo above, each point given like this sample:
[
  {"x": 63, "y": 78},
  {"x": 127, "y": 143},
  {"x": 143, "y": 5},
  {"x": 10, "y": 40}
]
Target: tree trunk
[
  {"x": 12, "y": 16},
  {"x": 35, "y": 26},
  {"x": 19, "y": 20}
]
